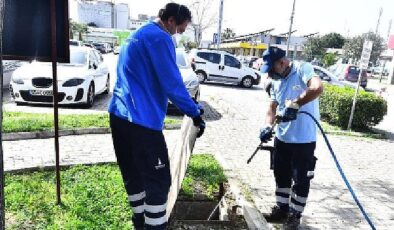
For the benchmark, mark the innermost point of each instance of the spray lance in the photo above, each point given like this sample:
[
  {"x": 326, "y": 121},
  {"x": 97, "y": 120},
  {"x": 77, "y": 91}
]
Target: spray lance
[{"x": 267, "y": 148}]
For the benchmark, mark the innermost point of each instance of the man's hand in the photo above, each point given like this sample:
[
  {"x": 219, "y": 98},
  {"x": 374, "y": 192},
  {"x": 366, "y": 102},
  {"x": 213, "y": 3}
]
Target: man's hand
[
  {"x": 266, "y": 134},
  {"x": 200, "y": 123},
  {"x": 291, "y": 111}
]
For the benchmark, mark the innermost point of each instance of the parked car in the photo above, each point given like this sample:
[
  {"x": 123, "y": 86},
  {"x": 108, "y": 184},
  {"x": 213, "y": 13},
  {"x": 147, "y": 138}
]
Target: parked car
[
  {"x": 102, "y": 47},
  {"x": 75, "y": 43},
  {"x": 379, "y": 69},
  {"x": 220, "y": 66},
  {"x": 90, "y": 45},
  {"x": 330, "y": 78},
  {"x": 117, "y": 50},
  {"x": 9, "y": 66},
  {"x": 350, "y": 73},
  {"x": 78, "y": 82},
  {"x": 189, "y": 77}
]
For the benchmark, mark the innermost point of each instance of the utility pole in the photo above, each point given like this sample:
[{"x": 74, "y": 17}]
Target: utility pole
[
  {"x": 2, "y": 198},
  {"x": 378, "y": 23},
  {"x": 291, "y": 25},
  {"x": 220, "y": 23}
]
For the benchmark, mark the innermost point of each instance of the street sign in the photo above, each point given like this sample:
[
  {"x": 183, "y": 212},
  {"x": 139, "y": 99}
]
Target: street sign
[
  {"x": 366, "y": 54},
  {"x": 364, "y": 61},
  {"x": 215, "y": 38}
]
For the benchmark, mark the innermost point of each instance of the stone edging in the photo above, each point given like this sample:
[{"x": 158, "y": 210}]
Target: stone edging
[{"x": 50, "y": 134}]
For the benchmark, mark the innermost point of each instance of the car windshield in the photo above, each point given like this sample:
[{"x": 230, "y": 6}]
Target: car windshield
[
  {"x": 78, "y": 57},
  {"x": 354, "y": 70},
  {"x": 181, "y": 60}
]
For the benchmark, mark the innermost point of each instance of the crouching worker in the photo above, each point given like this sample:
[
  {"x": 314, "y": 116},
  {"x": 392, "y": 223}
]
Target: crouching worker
[
  {"x": 147, "y": 76},
  {"x": 295, "y": 87}
]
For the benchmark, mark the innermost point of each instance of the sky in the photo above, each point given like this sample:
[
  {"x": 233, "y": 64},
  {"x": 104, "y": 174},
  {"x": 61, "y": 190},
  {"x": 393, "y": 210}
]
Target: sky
[{"x": 347, "y": 17}]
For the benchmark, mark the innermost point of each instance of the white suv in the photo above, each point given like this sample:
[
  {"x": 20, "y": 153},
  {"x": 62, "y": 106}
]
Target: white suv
[{"x": 220, "y": 66}]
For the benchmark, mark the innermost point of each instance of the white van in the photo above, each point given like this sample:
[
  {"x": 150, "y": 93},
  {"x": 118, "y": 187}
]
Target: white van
[{"x": 220, "y": 66}]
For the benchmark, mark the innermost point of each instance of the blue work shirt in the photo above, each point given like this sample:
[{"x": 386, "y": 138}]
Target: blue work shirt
[
  {"x": 303, "y": 129},
  {"x": 147, "y": 76}
]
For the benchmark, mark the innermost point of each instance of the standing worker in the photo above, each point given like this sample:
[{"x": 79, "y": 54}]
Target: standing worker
[
  {"x": 147, "y": 76},
  {"x": 295, "y": 87}
]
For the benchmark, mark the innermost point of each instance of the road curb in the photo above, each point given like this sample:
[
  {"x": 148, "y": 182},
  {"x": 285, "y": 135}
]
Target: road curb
[{"x": 51, "y": 134}]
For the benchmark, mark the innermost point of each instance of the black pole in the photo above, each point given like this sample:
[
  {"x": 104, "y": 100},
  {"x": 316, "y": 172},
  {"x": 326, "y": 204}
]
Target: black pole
[
  {"x": 2, "y": 198},
  {"x": 55, "y": 96}
]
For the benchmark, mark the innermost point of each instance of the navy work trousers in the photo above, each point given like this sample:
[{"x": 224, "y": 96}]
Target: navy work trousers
[
  {"x": 142, "y": 157},
  {"x": 293, "y": 169}
]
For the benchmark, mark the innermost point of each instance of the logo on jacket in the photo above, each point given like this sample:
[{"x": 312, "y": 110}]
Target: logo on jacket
[
  {"x": 297, "y": 88},
  {"x": 159, "y": 164}
]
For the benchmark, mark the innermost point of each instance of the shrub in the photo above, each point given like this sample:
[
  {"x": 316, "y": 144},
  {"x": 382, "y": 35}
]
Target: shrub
[{"x": 336, "y": 104}]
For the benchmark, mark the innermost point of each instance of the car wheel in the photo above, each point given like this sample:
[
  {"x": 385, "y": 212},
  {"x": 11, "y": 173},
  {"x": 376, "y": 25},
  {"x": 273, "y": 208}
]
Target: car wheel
[
  {"x": 202, "y": 76},
  {"x": 90, "y": 96},
  {"x": 107, "y": 85},
  {"x": 247, "y": 82}
]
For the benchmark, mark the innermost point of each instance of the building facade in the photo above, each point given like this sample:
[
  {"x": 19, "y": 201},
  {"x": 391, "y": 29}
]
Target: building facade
[{"x": 103, "y": 14}]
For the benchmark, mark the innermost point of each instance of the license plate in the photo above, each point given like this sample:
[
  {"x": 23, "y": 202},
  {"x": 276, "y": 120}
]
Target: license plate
[{"x": 41, "y": 92}]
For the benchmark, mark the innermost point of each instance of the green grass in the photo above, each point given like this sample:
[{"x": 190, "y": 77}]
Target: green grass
[
  {"x": 203, "y": 175},
  {"x": 32, "y": 122},
  {"x": 93, "y": 197}
]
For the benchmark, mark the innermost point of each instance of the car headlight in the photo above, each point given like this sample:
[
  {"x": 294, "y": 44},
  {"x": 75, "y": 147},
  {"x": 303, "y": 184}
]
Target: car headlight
[
  {"x": 18, "y": 81},
  {"x": 73, "y": 82},
  {"x": 191, "y": 83}
]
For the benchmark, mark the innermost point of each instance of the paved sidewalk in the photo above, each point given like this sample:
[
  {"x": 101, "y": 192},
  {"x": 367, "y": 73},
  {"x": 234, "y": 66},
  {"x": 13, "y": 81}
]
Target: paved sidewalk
[
  {"x": 366, "y": 162},
  {"x": 235, "y": 116}
]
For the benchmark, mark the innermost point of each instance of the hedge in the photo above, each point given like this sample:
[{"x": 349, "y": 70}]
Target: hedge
[{"x": 336, "y": 104}]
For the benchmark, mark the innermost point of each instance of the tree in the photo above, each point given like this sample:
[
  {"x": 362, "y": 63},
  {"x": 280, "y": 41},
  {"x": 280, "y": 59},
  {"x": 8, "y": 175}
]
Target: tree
[
  {"x": 354, "y": 47},
  {"x": 329, "y": 59},
  {"x": 313, "y": 49},
  {"x": 202, "y": 18},
  {"x": 80, "y": 28},
  {"x": 333, "y": 40},
  {"x": 228, "y": 33}
]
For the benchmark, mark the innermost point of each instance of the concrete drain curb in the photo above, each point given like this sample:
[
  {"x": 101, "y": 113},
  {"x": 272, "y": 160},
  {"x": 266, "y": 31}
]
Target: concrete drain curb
[
  {"x": 253, "y": 217},
  {"x": 51, "y": 134}
]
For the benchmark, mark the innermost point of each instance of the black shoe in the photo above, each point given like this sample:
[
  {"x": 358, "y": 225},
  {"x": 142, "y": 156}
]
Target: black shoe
[
  {"x": 277, "y": 215},
  {"x": 292, "y": 222}
]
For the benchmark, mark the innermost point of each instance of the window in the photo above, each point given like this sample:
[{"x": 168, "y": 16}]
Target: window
[
  {"x": 231, "y": 62},
  {"x": 78, "y": 57},
  {"x": 181, "y": 60},
  {"x": 211, "y": 57}
]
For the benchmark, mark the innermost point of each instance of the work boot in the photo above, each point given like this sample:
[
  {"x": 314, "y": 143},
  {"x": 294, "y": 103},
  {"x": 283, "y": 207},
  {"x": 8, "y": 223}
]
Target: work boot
[
  {"x": 277, "y": 214},
  {"x": 292, "y": 222}
]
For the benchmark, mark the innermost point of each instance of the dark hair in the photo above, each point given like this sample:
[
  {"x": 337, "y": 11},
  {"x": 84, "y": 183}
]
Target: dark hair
[{"x": 180, "y": 13}]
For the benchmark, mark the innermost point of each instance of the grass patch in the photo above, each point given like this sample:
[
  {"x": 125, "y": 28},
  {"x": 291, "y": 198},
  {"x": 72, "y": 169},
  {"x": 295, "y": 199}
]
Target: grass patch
[
  {"x": 203, "y": 176},
  {"x": 33, "y": 122},
  {"x": 93, "y": 197}
]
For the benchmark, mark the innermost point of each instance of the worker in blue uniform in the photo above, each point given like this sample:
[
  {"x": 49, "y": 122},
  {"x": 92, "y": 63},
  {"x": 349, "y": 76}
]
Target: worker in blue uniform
[
  {"x": 295, "y": 87},
  {"x": 147, "y": 77}
]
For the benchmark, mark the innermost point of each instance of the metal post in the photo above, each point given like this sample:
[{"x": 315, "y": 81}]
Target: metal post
[
  {"x": 220, "y": 24},
  {"x": 2, "y": 198},
  {"x": 291, "y": 25},
  {"x": 55, "y": 96},
  {"x": 354, "y": 101}
]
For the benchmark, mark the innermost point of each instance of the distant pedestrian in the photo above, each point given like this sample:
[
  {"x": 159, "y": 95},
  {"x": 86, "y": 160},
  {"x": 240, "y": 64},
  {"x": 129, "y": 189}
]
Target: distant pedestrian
[
  {"x": 294, "y": 87},
  {"x": 147, "y": 76}
]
